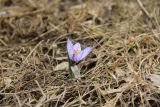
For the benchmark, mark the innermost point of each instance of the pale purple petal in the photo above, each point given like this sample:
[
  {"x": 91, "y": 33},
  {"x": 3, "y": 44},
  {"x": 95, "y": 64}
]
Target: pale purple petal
[
  {"x": 85, "y": 52},
  {"x": 77, "y": 58},
  {"x": 78, "y": 54},
  {"x": 70, "y": 56},
  {"x": 77, "y": 46},
  {"x": 70, "y": 48}
]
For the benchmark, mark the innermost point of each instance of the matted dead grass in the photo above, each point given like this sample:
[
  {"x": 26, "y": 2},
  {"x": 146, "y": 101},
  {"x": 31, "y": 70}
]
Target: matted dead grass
[{"x": 122, "y": 71}]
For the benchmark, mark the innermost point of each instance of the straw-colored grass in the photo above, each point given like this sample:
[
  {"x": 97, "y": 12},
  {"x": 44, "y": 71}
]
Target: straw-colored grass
[{"x": 123, "y": 69}]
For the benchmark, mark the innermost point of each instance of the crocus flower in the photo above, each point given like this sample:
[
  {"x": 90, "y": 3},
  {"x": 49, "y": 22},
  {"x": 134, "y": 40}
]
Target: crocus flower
[{"x": 75, "y": 53}]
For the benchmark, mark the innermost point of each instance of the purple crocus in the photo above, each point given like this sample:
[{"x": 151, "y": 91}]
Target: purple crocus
[{"x": 75, "y": 53}]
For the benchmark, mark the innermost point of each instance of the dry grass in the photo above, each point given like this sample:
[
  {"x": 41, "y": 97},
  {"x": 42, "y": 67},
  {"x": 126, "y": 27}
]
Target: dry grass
[{"x": 118, "y": 73}]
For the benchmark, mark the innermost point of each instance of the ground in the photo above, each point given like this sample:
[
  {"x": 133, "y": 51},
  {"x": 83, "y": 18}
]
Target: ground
[{"x": 123, "y": 70}]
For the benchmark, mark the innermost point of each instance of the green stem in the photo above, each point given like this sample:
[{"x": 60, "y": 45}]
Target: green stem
[{"x": 69, "y": 65}]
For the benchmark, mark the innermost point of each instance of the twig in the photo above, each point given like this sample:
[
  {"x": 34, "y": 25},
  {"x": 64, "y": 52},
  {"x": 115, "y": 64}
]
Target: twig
[
  {"x": 43, "y": 98},
  {"x": 32, "y": 51},
  {"x": 146, "y": 13},
  {"x": 143, "y": 9},
  {"x": 50, "y": 30},
  {"x": 10, "y": 13},
  {"x": 19, "y": 102}
]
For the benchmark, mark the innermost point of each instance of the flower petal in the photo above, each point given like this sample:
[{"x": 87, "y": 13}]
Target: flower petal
[
  {"x": 77, "y": 57},
  {"x": 70, "y": 48},
  {"x": 85, "y": 52},
  {"x": 77, "y": 46}
]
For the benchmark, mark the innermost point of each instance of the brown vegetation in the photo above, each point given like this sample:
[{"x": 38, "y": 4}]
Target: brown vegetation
[{"x": 122, "y": 71}]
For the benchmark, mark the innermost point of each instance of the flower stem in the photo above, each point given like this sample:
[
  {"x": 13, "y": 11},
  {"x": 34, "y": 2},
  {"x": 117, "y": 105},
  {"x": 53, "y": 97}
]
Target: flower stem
[{"x": 70, "y": 64}]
